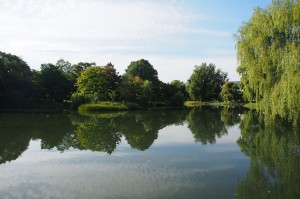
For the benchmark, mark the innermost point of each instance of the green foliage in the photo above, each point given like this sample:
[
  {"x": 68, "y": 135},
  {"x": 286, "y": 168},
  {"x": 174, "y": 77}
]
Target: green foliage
[
  {"x": 98, "y": 135},
  {"x": 98, "y": 82},
  {"x": 230, "y": 92},
  {"x": 193, "y": 103},
  {"x": 274, "y": 170},
  {"x": 206, "y": 124},
  {"x": 15, "y": 81},
  {"x": 78, "y": 99},
  {"x": 142, "y": 69},
  {"x": 54, "y": 82},
  {"x": 212, "y": 104},
  {"x": 205, "y": 83},
  {"x": 136, "y": 90},
  {"x": 231, "y": 115},
  {"x": 176, "y": 93},
  {"x": 107, "y": 106},
  {"x": 268, "y": 53}
]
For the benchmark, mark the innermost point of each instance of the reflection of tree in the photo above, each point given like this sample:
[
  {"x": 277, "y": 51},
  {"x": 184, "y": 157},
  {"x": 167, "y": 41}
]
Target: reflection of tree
[
  {"x": 103, "y": 132},
  {"x": 98, "y": 134},
  {"x": 231, "y": 116},
  {"x": 12, "y": 145},
  {"x": 275, "y": 160},
  {"x": 141, "y": 128},
  {"x": 206, "y": 124},
  {"x": 15, "y": 136},
  {"x": 16, "y": 131},
  {"x": 55, "y": 130}
]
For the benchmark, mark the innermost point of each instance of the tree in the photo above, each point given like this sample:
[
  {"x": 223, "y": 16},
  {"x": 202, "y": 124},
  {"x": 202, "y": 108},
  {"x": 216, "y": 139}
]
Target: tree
[
  {"x": 231, "y": 92},
  {"x": 100, "y": 83},
  {"x": 15, "y": 81},
  {"x": 64, "y": 65},
  {"x": 143, "y": 69},
  {"x": 76, "y": 69},
  {"x": 206, "y": 82},
  {"x": 268, "y": 52},
  {"x": 136, "y": 90},
  {"x": 54, "y": 82}
]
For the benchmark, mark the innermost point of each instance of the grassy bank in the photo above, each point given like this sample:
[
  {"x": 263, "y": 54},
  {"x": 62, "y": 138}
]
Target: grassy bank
[
  {"x": 107, "y": 106},
  {"x": 198, "y": 103},
  {"x": 251, "y": 105}
]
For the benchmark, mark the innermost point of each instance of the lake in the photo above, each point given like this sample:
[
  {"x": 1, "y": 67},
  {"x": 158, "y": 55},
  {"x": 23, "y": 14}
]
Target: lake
[{"x": 198, "y": 153}]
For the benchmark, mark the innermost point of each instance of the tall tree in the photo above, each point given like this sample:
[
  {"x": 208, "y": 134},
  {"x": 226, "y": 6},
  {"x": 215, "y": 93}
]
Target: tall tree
[
  {"x": 54, "y": 83},
  {"x": 206, "y": 82},
  {"x": 15, "y": 81},
  {"x": 231, "y": 92},
  {"x": 143, "y": 69},
  {"x": 100, "y": 83},
  {"x": 269, "y": 55}
]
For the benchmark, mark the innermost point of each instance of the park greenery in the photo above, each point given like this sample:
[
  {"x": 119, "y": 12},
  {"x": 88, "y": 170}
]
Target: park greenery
[
  {"x": 101, "y": 87},
  {"x": 269, "y": 60},
  {"x": 268, "y": 54}
]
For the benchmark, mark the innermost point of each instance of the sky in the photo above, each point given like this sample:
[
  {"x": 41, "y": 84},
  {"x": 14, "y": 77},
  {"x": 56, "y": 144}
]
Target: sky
[{"x": 173, "y": 35}]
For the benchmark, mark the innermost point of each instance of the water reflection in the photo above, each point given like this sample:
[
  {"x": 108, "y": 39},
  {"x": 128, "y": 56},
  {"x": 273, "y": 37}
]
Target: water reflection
[
  {"x": 103, "y": 132},
  {"x": 140, "y": 129},
  {"x": 206, "y": 124},
  {"x": 274, "y": 170}
]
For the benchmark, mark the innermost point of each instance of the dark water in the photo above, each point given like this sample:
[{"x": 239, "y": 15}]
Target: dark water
[{"x": 200, "y": 153}]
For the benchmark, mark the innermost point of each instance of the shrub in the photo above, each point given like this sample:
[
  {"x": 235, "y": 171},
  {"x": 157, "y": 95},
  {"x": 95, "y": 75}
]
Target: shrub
[
  {"x": 107, "y": 106},
  {"x": 78, "y": 99}
]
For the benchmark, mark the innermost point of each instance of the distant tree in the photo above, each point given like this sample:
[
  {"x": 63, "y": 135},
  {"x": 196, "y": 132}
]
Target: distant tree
[
  {"x": 54, "y": 82},
  {"x": 206, "y": 82},
  {"x": 15, "y": 81},
  {"x": 174, "y": 93},
  {"x": 100, "y": 83},
  {"x": 143, "y": 69},
  {"x": 268, "y": 49},
  {"x": 64, "y": 65},
  {"x": 136, "y": 90},
  {"x": 76, "y": 69},
  {"x": 231, "y": 92}
]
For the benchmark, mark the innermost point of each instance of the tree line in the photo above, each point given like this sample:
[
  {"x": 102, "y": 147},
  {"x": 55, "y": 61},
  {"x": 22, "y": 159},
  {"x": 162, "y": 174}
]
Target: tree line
[
  {"x": 86, "y": 82},
  {"x": 268, "y": 49}
]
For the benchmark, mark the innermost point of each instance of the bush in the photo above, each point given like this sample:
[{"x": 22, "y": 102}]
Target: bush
[
  {"x": 107, "y": 106},
  {"x": 78, "y": 99}
]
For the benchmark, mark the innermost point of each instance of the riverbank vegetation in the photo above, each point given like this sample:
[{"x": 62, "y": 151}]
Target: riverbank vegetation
[
  {"x": 268, "y": 54},
  {"x": 268, "y": 49},
  {"x": 101, "y": 87}
]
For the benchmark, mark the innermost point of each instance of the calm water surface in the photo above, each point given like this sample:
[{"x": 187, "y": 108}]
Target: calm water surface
[{"x": 199, "y": 153}]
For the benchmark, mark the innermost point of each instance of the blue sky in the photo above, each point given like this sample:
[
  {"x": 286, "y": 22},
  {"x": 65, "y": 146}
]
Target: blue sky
[{"x": 173, "y": 35}]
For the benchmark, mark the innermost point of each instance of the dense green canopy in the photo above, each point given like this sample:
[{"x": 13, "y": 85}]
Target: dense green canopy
[
  {"x": 143, "y": 69},
  {"x": 269, "y": 59},
  {"x": 98, "y": 82},
  {"x": 206, "y": 82},
  {"x": 15, "y": 80}
]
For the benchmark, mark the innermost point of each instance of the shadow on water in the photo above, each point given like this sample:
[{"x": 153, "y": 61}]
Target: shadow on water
[
  {"x": 274, "y": 152},
  {"x": 103, "y": 132}
]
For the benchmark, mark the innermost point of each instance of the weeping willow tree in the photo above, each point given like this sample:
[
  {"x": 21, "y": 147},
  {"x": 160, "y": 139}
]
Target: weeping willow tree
[{"x": 268, "y": 52}]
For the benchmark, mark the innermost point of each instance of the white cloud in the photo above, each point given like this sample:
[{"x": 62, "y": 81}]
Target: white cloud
[{"x": 101, "y": 31}]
